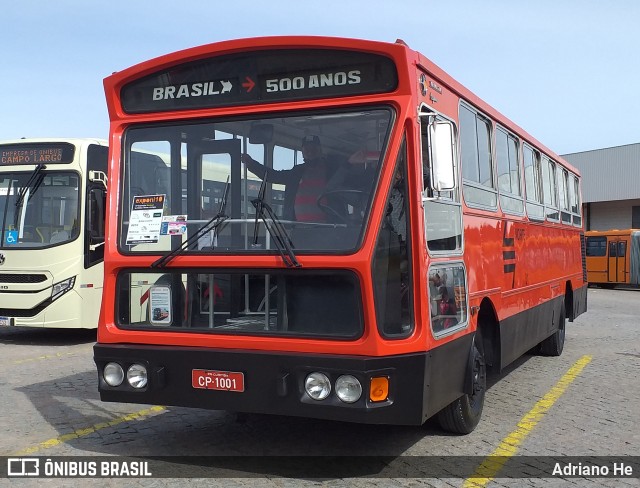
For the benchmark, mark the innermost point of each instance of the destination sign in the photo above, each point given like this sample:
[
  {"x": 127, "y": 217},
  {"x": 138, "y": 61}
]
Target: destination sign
[
  {"x": 261, "y": 77},
  {"x": 36, "y": 153}
]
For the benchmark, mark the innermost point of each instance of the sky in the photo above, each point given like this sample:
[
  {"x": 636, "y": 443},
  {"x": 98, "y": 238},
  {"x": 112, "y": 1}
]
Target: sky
[{"x": 566, "y": 71}]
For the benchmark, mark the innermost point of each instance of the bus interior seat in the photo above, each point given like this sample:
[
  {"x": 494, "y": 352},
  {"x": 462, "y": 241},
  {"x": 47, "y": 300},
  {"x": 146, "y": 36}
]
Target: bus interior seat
[{"x": 59, "y": 236}]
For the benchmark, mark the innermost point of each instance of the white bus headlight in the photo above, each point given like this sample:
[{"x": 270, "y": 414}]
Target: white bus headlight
[
  {"x": 113, "y": 374},
  {"x": 348, "y": 388},
  {"x": 137, "y": 376},
  {"x": 317, "y": 386},
  {"x": 62, "y": 287}
]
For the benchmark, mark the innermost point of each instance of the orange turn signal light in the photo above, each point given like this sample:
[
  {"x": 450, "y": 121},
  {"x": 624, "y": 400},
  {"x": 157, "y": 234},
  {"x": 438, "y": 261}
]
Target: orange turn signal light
[{"x": 379, "y": 389}]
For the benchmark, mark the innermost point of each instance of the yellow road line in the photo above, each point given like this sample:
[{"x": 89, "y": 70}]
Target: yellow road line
[
  {"x": 90, "y": 430},
  {"x": 491, "y": 465}
]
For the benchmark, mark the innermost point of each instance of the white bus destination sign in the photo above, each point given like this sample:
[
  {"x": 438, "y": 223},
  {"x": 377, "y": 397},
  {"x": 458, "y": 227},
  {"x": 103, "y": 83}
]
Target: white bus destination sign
[
  {"x": 262, "y": 77},
  {"x": 36, "y": 153}
]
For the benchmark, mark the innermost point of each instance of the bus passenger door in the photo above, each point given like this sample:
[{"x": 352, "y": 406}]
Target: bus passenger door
[{"x": 617, "y": 262}]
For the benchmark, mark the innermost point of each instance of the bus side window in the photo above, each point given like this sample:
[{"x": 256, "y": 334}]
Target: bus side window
[
  {"x": 622, "y": 249},
  {"x": 613, "y": 249},
  {"x": 532, "y": 177},
  {"x": 475, "y": 151},
  {"x": 575, "y": 200},
  {"x": 596, "y": 246},
  {"x": 447, "y": 298},
  {"x": 508, "y": 168}
]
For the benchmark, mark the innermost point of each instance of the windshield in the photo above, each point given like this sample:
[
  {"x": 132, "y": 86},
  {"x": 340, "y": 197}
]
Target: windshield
[
  {"x": 314, "y": 174},
  {"x": 39, "y": 208}
]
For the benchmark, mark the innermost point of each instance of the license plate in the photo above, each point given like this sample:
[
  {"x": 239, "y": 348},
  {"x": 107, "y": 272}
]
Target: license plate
[
  {"x": 5, "y": 321},
  {"x": 217, "y": 380}
]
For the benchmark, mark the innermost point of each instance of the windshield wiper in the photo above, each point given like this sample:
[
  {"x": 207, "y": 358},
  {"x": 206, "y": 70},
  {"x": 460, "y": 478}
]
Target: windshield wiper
[
  {"x": 274, "y": 227},
  {"x": 210, "y": 225},
  {"x": 33, "y": 183}
]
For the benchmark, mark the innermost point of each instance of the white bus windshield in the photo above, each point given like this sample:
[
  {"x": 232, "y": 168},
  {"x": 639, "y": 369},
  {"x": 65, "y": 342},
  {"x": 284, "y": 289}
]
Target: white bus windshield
[{"x": 39, "y": 211}]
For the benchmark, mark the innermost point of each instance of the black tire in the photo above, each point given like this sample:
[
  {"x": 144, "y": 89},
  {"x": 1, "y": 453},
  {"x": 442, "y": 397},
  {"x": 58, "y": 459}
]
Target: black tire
[
  {"x": 535, "y": 350},
  {"x": 462, "y": 415},
  {"x": 554, "y": 344}
]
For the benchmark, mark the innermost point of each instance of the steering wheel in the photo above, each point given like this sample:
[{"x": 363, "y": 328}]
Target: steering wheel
[{"x": 342, "y": 196}]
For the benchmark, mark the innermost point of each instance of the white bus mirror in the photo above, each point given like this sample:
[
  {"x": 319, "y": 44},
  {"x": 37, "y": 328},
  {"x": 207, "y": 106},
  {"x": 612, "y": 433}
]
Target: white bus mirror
[
  {"x": 442, "y": 155},
  {"x": 98, "y": 177}
]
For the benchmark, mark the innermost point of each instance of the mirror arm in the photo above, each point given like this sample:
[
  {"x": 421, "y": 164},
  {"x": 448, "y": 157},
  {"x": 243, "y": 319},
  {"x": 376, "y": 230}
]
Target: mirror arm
[{"x": 93, "y": 247}]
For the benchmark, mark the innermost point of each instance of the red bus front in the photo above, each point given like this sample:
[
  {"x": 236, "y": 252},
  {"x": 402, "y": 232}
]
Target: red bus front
[{"x": 263, "y": 252}]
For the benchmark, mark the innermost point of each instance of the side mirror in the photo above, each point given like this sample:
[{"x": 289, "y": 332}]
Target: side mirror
[
  {"x": 441, "y": 149},
  {"x": 98, "y": 177}
]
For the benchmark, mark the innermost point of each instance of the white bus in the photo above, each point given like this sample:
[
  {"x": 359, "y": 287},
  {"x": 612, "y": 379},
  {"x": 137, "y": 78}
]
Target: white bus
[{"x": 52, "y": 212}]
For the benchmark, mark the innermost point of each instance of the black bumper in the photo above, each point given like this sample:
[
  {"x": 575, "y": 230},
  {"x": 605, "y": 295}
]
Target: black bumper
[{"x": 274, "y": 382}]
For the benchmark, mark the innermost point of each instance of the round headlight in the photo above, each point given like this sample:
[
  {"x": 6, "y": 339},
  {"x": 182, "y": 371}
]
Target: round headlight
[
  {"x": 113, "y": 374},
  {"x": 317, "y": 386},
  {"x": 348, "y": 388},
  {"x": 137, "y": 376}
]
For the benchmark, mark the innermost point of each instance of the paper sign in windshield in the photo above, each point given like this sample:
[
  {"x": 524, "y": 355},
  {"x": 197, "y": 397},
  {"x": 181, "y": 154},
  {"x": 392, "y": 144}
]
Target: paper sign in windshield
[
  {"x": 160, "y": 304},
  {"x": 146, "y": 219}
]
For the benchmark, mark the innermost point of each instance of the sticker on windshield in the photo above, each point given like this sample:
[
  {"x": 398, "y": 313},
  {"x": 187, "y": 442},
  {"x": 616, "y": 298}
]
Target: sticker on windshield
[
  {"x": 11, "y": 237},
  {"x": 160, "y": 304},
  {"x": 146, "y": 219},
  {"x": 173, "y": 225}
]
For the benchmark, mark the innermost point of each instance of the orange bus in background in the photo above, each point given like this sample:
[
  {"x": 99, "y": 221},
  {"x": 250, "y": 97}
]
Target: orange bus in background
[
  {"x": 613, "y": 257},
  {"x": 329, "y": 228}
]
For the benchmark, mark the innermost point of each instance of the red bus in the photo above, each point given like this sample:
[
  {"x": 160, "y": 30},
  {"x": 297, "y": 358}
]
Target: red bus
[{"x": 329, "y": 228}]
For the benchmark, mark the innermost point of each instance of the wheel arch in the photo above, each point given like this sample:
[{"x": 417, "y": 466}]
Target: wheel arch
[
  {"x": 489, "y": 327},
  {"x": 568, "y": 301}
]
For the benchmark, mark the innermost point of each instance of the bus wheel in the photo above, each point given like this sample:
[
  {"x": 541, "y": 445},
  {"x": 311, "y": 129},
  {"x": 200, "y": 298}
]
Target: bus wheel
[
  {"x": 554, "y": 344},
  {"x": 462, "y": 415}
]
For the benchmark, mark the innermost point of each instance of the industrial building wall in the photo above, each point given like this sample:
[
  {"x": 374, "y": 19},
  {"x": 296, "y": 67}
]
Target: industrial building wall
[
  {"x": 610, "y": 173},
  {"x": 611, "y": 215},
  {"x": 610, "y": 186}
]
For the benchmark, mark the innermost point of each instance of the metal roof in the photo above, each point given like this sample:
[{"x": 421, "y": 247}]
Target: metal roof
[{"x": 609, "y": 174}]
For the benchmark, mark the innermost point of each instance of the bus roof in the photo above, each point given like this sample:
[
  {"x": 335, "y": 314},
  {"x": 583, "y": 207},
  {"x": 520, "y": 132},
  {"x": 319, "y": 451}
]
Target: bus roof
[
  {"x": 70, "y": 140},
  {"x": 612, "y": 232},
  {"x": 487, "y": 109},
  {"x": 398, "y": 50}
]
